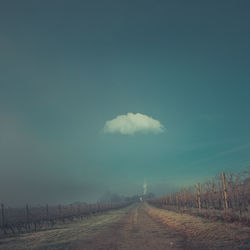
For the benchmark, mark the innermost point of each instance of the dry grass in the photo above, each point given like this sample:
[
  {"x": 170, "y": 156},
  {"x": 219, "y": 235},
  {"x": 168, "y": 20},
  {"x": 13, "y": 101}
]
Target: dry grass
[
  {"x": 212, "y": 214},
  {"x": 61, "y": 236},
  {"x": 203, "y": 233}
]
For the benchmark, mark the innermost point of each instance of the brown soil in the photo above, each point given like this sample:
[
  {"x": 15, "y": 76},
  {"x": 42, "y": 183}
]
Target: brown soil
[{"x": 137, "y": 230}]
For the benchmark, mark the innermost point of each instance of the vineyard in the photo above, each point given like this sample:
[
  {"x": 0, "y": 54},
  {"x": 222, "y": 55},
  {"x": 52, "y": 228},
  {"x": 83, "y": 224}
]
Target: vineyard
[
  {"x": 32, "y": 219},
  {"x": 225, "y": 197},
  {"x": 175, "y": 221}
]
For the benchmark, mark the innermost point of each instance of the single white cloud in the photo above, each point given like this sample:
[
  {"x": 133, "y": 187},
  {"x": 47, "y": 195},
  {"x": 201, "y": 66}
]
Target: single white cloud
[{"x": 132, "y": 123}]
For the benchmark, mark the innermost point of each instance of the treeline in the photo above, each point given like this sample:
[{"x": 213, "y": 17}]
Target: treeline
[
  {"x": 226, "y": 196},
  {"x": 113, "y": 197},
  {"x": 28, "y": 219}
]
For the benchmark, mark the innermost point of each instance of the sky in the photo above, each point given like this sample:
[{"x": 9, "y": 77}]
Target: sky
[{"x": 99, "y": 96}]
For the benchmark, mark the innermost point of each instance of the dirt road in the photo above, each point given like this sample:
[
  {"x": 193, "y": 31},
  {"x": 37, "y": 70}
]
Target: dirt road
[
  {"x": 137, "y": 231},
  {"x": 146, "y": 227},
  {"x": 137, "y": 227}
]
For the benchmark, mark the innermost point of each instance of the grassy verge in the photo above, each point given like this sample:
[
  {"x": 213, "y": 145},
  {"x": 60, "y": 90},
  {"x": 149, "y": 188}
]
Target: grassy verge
[
  {"x": 213, "y": 214},
  {"x": 203, "y": 233}
]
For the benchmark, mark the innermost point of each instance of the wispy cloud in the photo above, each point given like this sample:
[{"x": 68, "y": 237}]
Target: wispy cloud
[
  {"x": 222, "y": 153},
  {"x": 233, "y": 150},
  {"x": 132, "y": 123}
]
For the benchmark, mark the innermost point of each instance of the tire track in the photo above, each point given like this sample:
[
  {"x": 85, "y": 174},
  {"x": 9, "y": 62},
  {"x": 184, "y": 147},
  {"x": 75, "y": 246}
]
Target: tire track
[{"x": 137, "y": 230}]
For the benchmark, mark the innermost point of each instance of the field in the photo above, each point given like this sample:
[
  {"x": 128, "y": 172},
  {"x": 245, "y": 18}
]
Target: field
[
  {"x": 138, "y": 226},
  {"x": 62, "y": 235},
  {"x": 225, "y": 197}
]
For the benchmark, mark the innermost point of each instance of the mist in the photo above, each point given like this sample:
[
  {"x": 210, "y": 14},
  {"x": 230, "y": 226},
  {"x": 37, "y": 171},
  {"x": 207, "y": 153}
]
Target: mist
[{"x": 97, "y": 97}]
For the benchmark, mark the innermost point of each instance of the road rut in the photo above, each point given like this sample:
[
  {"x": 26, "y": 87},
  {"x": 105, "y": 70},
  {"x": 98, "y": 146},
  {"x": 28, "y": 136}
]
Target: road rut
[{"x": 137, "y": 230}]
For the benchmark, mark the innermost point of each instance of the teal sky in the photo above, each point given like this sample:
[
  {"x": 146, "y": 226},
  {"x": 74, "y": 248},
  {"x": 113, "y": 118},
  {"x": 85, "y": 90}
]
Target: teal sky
[{"x": 67, "y": 67}]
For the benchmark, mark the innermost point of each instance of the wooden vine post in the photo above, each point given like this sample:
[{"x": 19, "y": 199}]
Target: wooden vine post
[
  {"x": 170, "y": 200},
  {"x": 47, "y": 211},
  {"x": 225, "y": 190},
  {"x": 185, "y": 197},
  {"x": 199, "y": 195},
  {"x": 177, "y": 200},
  {"x": 27, "y": 212},
  {"x": 248, "y": 207},
  {"x": 60, "y": 210},
  {"x": 2, "y": 212}
]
